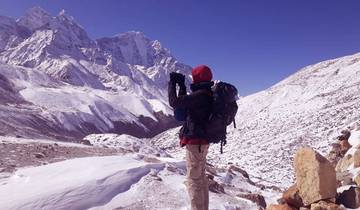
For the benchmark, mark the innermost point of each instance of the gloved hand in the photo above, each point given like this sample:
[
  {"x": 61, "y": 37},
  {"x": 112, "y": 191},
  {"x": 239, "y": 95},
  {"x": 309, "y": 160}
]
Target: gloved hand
[{"x": 177, "y": 78}]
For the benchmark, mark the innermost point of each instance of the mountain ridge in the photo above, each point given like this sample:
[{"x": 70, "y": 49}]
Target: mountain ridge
[{"x": 115, "y": 84}]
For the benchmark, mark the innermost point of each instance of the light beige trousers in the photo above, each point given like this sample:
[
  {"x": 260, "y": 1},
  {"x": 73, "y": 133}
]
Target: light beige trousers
[{"x": 197, "y": 182}]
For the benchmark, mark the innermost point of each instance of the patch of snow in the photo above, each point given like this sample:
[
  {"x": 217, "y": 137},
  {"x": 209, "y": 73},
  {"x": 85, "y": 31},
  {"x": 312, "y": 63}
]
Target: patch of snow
[
  {"x": 106, "y": 183},
  {"x": 73, "y": 184},
  {"x": 354, "y": 139}
]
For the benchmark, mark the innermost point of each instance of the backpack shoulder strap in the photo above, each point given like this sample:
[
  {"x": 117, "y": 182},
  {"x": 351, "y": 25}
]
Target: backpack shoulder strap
[{"x": 207, "y": 92}]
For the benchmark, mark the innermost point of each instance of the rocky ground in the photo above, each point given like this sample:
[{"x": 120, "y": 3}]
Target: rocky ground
[
  {"x": 17, "y": 153},
  {"x": 158, "y": 174},
  {"x": 326, "y": 183}
]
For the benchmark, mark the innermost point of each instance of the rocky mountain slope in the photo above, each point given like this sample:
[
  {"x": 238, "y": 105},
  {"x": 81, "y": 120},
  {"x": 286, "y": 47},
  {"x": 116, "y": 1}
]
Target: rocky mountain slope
[
  {"x": 309, "y": 108},
  {"x": 58, "y": 83}
]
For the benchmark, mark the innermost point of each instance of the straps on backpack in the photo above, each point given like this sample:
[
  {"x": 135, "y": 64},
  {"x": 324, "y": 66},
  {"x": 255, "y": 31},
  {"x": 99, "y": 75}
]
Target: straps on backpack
[{"x": 222, "y": 143}]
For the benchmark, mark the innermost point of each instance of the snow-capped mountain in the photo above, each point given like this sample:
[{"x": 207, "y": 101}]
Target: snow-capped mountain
[
  {"x": 308, "y": 108},
  {"x": 73, "y": 85}
]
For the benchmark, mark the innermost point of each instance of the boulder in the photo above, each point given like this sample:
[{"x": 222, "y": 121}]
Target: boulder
[
  {"x": 281, "y": 201},
  {"x": 350, "y": 198},
  {"x": 323, "y": 205},
  {"x": 172, "y": 168},
  {"x": 344, "y": 147},
  {"x": 241, "y": 171},
  {"x": 357, "y": 158},
  {"x": 215, "y": 187},
  {"x": 292, "y": 197},
  {"x": 39, "y": 155},
  {"x": 256, "y": 198},
  {"x": 335, "y": 153},
  {"x": 345, "y": 135},
  {"x": 344, "y": 178},
  {"x": 357, "y": 180},
  {"x": 344, "y": 163},
  {"x": 155, "y": 175},
  {"x": 280, "y": 207},
  {"x": 85, "y": 142},
  {"x": 210, "y": 176},
  {"x": 151, "y": 159},
  {"x": 211, "y": 169},
  {"x": 315, "y": 176}
]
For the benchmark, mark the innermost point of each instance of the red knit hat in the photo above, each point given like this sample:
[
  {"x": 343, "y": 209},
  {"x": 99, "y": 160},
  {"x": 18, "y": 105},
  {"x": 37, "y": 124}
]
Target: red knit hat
[{"x": 201, "y": 73}]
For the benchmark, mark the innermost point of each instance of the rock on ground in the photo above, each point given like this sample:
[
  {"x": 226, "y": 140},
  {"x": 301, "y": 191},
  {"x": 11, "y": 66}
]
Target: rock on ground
[
  {"x": 344, "y": 163},
  {"x": 315, "y": 176},
  {"x": 322, "y": 205},
  {"x": 280, "y": 207},
  {"x": 350, "y": 198},
  {"x": 292, "y": 197}
]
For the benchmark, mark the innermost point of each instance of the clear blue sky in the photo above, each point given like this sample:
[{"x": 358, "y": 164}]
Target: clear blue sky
[{"x": 251, "y": 43}]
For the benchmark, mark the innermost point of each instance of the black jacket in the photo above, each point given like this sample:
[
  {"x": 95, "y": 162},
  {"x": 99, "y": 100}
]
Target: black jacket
[{"x": 198, "y": 105}]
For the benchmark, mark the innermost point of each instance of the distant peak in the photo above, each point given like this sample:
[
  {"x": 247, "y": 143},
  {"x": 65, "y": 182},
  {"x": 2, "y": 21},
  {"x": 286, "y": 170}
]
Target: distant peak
[
  {"x": 62, "y": 12},
  {"x": 136, "y": 33},
  {"x": 132, "y": 34},
  {"x": 34, "y": 18},
  {"x": 64, "y": 16},
  {"x": 37, "y": 11},
  {"x": 6, "y": 20},
  {"x": 157, "y": 45}
]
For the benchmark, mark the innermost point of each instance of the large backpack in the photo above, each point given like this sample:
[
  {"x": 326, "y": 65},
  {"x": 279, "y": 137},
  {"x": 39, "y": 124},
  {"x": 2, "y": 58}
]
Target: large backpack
[
  {"x": 223, "y": 113},
  {"x": 180, "y": 114}
]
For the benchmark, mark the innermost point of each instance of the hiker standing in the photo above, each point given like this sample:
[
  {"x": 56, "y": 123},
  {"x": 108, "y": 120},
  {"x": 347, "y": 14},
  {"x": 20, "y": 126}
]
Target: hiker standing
[{"x": 198, "y": 107}]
